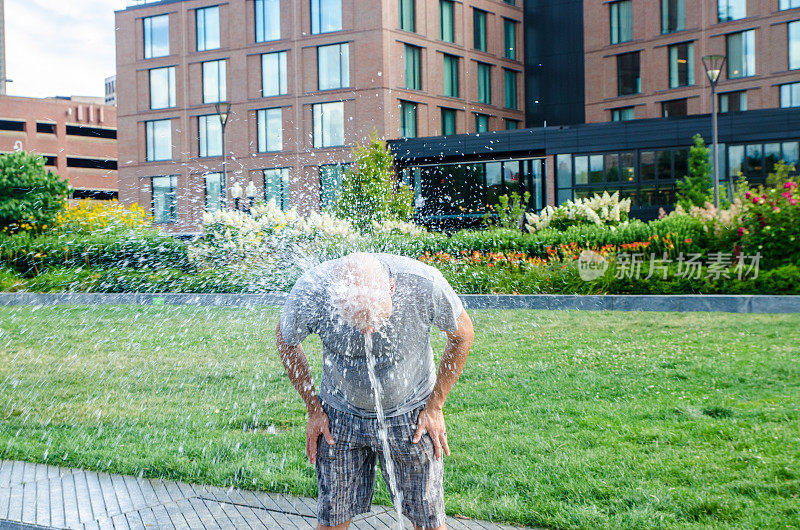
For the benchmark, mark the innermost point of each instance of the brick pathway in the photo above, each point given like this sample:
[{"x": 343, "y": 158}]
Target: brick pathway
[{"x": 52, "y": 496}]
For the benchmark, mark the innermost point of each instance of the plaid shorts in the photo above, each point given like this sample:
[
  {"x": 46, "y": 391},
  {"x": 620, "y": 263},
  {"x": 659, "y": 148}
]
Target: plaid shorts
[{"x": 346, "y": 470}]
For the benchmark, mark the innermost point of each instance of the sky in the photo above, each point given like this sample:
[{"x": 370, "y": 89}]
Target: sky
[{"x": 60, "y": 47}]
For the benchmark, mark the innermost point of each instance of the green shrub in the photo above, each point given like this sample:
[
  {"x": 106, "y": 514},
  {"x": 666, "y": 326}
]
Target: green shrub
[
  {"x": 695, "y": 189},
  {"x": 9, "y": 280},
  {"x": 30, "y": 196}
]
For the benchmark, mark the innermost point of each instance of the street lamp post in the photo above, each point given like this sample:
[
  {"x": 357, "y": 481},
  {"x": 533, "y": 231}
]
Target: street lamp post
[
  {"x": 713, "y": 65},
  {"x": 223, "y": 111},
  {"x": 251, "y": 193}
]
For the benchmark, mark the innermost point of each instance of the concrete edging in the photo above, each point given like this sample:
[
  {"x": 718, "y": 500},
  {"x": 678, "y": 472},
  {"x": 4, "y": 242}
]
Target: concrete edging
[{"x": 680, "y": 303}]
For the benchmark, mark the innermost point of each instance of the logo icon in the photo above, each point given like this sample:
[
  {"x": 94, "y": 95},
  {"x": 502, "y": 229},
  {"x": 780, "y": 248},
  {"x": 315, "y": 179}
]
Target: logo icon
[{"x": 591, "y": 265}]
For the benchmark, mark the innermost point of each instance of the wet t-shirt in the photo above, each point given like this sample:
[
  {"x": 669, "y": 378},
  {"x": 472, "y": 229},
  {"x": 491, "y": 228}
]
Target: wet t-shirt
[{"x": 402, "y": 347}]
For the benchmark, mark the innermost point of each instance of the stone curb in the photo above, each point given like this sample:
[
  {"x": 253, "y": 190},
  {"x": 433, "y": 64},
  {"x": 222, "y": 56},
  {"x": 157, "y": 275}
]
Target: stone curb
[{"x": 681, "y": 303}]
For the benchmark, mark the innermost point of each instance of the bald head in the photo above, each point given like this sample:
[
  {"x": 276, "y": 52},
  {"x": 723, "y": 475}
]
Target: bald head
[{"x": 361, "y": 292}]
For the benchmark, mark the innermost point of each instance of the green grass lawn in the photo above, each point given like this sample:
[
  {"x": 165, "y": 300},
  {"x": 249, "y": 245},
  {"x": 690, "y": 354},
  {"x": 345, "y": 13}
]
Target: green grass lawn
[{"x": 561, "y": 419}]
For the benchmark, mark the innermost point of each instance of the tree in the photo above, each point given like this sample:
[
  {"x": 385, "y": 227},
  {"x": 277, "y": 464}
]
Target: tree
[
  {"x": 696, "y": 188},
  {"x": 370, "y": 191},
  {"x": 30, "y": 196}
]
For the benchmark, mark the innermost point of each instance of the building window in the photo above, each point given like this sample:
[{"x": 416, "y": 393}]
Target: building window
[
  {"x": 326, "y": 16},
  {"x": 790, "y": 95},
  {"x": 628, "y": 78},
  {"x": 215, "y": 194},
  {"x": 215, "y": 82},
  {"x": 681, "y": 65},
  {"x": 794, "y": 45},
  {"x": 165, "y": 199},
  {"x": 276, "y": 185},
  {"x": 623, "y": 114},
  {"x": 733, "y": 101},
  {"x": 621, "y": 21},
  {"x": 675, "y": 107},
  {"x": 481, "y": 123},
  {"x": 485, "y": 83},
  {"x": 162, "y": 88},
  {"x": 210, "y": 129},
  {"x": 731, "y": 10},
  {"x": 511, "y": 89},
  {"x": 273, "y": 74},
  {"x": 510, "y": 33},
  {"x": 268, "y": 20},
  {"x": 512, "y": 125},
  {"x": 448, "y": 121},
  {"x": 156, "y": 36},
  {"x": 450, "y": 75},
  {"x": 479, "y": 29},
  {"x": 207, "y": 28},
  {"x": 328, "y": 124},
  {"x": 741, "y": 54},
  {"x": 413, "y": 65},
  {"x": 330, "y": 182},
  {"x": 446, "y": 20},
  {"x": 408, "y": 119},
  {"x": 333, "y": 66},
  {"x": 788, "y": 4},
  {"x": 673, "y": 15},
  {"x": 269, "y": 124},
  {"x": 407, "y": 15},
  {"x": 158, "y": 136}
]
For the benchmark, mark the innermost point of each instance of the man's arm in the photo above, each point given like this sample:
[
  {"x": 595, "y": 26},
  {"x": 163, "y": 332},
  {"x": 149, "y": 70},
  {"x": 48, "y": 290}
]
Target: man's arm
[
  {"x": 296, "y": 365},
  {"x": 431, "y": 419}
]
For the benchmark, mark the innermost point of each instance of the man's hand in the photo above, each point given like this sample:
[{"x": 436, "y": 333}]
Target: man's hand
[
  {"x": 317, "y": 424},
  {"x": 431, "y": 419}
]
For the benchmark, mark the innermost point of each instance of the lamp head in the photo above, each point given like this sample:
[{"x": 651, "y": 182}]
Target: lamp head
[
  {"x": 236, "y": 191},
  {"x": 713, "y": 65},
  {"x": 251, "y": 190},
  {"x": 223, "y": 110}
]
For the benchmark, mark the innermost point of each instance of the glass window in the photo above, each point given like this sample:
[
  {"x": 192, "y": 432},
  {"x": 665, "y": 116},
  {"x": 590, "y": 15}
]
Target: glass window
[
  {"x": 413, "y": 66},
  {"x": 276, "y": 184},
  {"x": 648, "y": 165},
  {"x": 733, "y": 101},
  {"x": 165, "y": 199},
  {"x": 158, "y": 136},
  {"x": 479, "y": 29},
  {"x": 333, "y": 64},
  {"x": 450, "y": 75},
  {"x": 484, "y": 83},
  {"x": 790, "y": 95},
  {"x": 408, "y": 119},
  {"x": 407, "y": 15},
  {"x": 627, "y": 166},
  {"x": 273, "y": 74},
  {"x": 328, "y": 124},
  {"x": 210, "y": 135},
  {"x": 326, "y": 16},
  {"x": 675, "y": 107},
  {"x": 623, "y": 114},
  {"x": 581, "y": 170},
  {"x": 673, "y": 15},
  {"x": 268, "y": 20},
  {"x": 789, "y": 4},
  {"x": 494, "y": 182},
  {"x": 772, "y": 154},
  {"x": 448, "y": 121},
  {"x": 731, "y": 9},
  {"x": 156, "y": 36},
  {"x": 269, "y": 123},
  {"x": 628, "y": 79},
  {"x": 512, "y": 125},
  {"x": 510, "y": 37},
  {"x": 790, "y": 153},
  {"x": 741, "y": 54},
  {"x": 207, "y": 28},
  {"x": 481, "y": 123},
  {"x": 564, "y": 195},
  {"x": 681, "y": 65},
  {"x": 564, "y": 171},
  {"x": 612, "y": 167},
  {"x": 215, "y": 82},
  {"x": 754, "y": 163},
  {"x": 735, "y": 160},
  {"x": 621, "y": 21},
  {"x": 330, "y": 181},
  {"x": 215, "y": 197},
  {"x": 596, "y": 168},
  {"x": 680, "y": 159},
  {"x": 664, "y": 165},
  {"x": 446, "y": 20},
  {"x": 511, "y": 89},
  {"x": 162, "y": 87},
  {"x": 794, "y": 45}
]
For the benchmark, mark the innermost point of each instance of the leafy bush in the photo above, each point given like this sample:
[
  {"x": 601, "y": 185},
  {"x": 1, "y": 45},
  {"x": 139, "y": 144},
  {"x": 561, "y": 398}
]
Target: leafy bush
[
  {"x": 30, "y": 196},
  {"x": 9, "y": 280},
  {"x": 510, "y": 211},
  {"x": 95, "y": 216},
  {"x": 599, "y": 210},
  {"x": 695, "y": 188}
]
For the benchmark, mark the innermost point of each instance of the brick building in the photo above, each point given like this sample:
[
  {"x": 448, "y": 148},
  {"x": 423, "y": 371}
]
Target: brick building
[
  {"x": 306, "y": 80},
  {"x": 77, "y": 137}
]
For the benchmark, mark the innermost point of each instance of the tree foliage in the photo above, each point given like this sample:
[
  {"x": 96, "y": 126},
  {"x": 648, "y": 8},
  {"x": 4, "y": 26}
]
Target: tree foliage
[
  {"x": 370, "y": 191},
  {"x": 30, "y": 196},
  {"x": 696, "y": 188}
]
